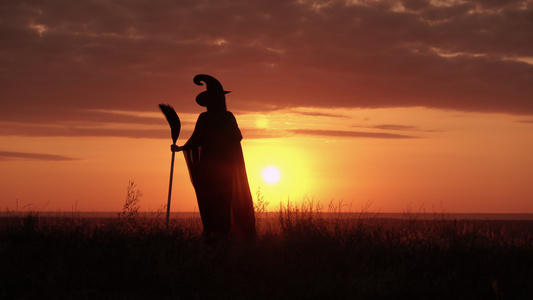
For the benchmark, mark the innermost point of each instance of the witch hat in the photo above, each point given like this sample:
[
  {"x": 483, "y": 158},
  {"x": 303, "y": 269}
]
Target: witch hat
[{"x": 213, "y": 91}]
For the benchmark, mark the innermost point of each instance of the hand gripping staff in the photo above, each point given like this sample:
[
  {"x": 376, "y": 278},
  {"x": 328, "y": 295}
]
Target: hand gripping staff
[{"x": 175, "y": 127}]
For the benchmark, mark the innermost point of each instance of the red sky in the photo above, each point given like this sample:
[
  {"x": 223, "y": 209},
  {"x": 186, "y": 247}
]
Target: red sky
[{"x": 407, "y": 105}]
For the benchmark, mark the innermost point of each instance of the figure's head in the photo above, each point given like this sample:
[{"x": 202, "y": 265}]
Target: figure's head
[{"x": 214, "y": 98}]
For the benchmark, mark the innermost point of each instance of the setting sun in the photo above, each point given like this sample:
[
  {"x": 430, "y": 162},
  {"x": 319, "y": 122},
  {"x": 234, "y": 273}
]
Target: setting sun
[{"x": 271, "y": 175}]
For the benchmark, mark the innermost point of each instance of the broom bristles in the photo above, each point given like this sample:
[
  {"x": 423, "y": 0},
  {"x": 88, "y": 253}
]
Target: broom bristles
[{"x": 173, "y": 120}]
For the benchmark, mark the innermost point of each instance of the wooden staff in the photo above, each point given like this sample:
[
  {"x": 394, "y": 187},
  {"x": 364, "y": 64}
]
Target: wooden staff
[{"x": 175, "y": 127}]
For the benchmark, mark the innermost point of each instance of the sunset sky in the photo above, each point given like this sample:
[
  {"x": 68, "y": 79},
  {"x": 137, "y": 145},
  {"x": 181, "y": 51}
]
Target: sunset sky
[{"x": 400, "y": 105}]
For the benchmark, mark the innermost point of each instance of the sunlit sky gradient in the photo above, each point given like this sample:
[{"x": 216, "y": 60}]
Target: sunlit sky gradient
[{"x": 407, "y": 105}]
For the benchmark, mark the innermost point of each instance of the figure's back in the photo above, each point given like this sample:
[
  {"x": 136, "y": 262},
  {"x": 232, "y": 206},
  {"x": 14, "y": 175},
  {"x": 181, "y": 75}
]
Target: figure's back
[{"x": 219, "y": 131}]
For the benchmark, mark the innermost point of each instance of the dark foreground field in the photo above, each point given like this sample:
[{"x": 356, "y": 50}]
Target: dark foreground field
[{"x": 296, "y": 256}]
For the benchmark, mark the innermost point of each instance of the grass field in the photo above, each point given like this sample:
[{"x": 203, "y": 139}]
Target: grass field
[{"x": 299, "y": 254}]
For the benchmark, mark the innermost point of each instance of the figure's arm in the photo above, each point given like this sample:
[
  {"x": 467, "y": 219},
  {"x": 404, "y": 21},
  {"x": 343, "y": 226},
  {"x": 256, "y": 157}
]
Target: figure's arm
[{"x": 196, "y": 138}]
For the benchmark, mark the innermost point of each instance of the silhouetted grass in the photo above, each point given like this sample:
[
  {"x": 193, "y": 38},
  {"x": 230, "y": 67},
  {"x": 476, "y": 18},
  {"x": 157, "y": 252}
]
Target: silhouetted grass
[{"x": 300, "y": 254}]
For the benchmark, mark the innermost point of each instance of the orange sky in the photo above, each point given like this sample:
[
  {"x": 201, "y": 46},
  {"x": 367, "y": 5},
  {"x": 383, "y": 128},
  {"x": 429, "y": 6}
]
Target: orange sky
[{"x": 419, "y": 105}]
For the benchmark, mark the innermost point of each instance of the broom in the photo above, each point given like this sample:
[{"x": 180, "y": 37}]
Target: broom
[{"x": 175, "y": 127}]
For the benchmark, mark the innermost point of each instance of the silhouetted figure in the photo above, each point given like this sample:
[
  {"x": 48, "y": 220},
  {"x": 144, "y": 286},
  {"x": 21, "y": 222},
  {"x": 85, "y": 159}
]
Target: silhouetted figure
[{"x": 216, "y": 166}]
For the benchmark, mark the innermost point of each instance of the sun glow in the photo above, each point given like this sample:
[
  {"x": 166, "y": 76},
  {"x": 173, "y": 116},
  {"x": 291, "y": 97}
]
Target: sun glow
[
  {"x": 290, "y": 159},
  {"x": 261, "y": 122},
  {"x": 271, "y": 175}
]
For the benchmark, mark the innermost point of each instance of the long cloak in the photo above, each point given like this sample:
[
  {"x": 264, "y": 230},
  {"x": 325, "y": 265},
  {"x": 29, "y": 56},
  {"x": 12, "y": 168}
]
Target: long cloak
[{"x": 216, "y": 167}]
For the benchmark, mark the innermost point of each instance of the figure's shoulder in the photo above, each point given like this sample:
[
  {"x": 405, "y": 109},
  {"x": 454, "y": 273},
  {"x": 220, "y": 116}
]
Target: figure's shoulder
[
  {"x": 229, "y": 114},
  {"x": 203, "y": 115},
  {"x": 230, "y": 117}
]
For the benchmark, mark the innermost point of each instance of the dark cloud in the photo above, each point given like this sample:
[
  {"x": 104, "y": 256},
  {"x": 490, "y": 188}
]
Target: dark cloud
[
  {"x": 32, "y": 115},
  {"x": 32, "y": 130},
  {"x": 89, "y": 124},
  {"x": 59, "y": 59},
  {"x": 7, "y": 155},
  {"x": 319, "y": 114},
  {"x": 351, "y": 134},
  {"x": 397, "y": 127}
]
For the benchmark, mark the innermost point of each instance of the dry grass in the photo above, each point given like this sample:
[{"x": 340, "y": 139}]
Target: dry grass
[{"x": 301, "y": 253}]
